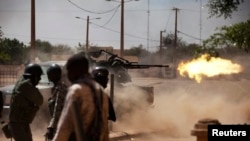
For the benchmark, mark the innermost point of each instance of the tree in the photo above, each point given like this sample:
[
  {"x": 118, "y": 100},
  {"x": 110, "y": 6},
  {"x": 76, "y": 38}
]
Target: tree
[
  {"x": 236, "y": 35},
  {"x": 224, "y": 8},
  {"x": 12, "y": 51},
  {"x": 1, "y": 34},
  {"x": 168, "y": 41}
]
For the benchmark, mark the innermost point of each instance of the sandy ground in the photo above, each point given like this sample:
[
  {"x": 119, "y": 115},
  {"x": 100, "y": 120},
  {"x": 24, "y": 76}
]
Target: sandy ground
[{"x": 178, "y": 105}]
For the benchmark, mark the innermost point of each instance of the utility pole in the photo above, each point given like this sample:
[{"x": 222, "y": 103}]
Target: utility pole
[
  {"x": 175, "y": 43},
  {"x": 161, "y": 45},
  {"x": 87, "y": 35},
  {"x": 33, "y": 32},
  {"x": 200, "y": 21},
  {"x": 122, "y": 30},
  {"x": 87, "y": 30},
  {"x": 122, "y": 27},
  {"x": 148, "y": 25}
]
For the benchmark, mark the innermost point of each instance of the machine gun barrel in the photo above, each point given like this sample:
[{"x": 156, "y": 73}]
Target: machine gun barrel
[{"x": 137, "y": 66}]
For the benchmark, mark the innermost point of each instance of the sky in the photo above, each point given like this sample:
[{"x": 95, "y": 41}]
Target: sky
[{"x": 143, "y": 21}]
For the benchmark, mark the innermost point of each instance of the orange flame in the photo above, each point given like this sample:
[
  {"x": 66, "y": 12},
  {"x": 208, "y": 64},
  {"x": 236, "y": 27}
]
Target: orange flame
[{"x": 207, "y": 66}]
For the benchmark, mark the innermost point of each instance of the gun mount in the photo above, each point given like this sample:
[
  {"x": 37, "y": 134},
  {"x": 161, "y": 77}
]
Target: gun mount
[
  {"x": 141, "y": 97},
  {"x": 118, "y": 65}
]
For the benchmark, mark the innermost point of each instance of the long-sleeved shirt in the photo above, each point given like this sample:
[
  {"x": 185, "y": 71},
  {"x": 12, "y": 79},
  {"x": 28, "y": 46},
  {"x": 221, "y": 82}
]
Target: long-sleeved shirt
[
  {"x": 57, "y": 99},
  {"x": 86, "y": 100},
  {"x": 25, "y": 101}
]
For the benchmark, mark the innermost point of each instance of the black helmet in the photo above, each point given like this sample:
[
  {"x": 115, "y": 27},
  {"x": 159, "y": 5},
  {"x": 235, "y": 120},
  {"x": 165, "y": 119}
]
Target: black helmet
[
  {"x": 100, "y": 75},
  {"x": 54, "y": 69},
  {"x": 33, "y": 70},
  {"x": 100, "y": 72}
]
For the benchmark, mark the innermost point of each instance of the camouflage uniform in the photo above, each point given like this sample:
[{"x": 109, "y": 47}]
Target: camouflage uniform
[
  {"x": 25, "y": 102},
  {"x": 87, "y": 101},
  {"x": 56, "y": 103}
]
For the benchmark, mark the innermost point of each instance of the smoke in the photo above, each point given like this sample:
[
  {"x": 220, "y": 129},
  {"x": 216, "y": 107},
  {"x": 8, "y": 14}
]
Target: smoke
[{"x": 179, "y": 104}]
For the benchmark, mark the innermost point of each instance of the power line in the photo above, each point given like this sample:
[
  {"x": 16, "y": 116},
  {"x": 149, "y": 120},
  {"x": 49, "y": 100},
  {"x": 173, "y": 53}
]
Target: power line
[
  {"x": 101, "y": 26},
  {"x": 189, "y": 35},
  {"x": 103, "y": 12},
  {"x": 148, "y": 24},
  {"x": 111, "y": 16},
  {"x": 125, "y": 33}
]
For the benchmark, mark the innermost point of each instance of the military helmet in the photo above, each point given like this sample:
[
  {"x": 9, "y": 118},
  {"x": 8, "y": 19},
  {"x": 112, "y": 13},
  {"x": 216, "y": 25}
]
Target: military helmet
[
  {"x": 33, "y": 69},
  {"x": 54, "y": 69},
  {"x": 100, "y": 72}
]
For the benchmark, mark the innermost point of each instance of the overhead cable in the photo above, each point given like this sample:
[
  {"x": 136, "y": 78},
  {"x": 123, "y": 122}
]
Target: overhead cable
[
  {"x": 103, "y": 12},
  {"x": 189, "y": 35}
]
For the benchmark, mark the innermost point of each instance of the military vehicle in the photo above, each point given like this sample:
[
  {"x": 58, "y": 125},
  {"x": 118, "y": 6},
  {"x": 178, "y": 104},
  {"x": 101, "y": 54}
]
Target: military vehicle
[{"x": 128, "y": 96}]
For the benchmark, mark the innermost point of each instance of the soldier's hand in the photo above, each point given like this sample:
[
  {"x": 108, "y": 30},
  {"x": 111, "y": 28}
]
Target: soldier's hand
[{"x": 50, "y": 133}]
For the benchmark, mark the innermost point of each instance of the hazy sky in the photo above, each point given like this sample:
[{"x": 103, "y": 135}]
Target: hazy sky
[{"x": 56, "y": 22}]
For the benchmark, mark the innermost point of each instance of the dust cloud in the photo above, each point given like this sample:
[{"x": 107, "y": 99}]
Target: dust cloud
[{"x": 179, "y": 104}]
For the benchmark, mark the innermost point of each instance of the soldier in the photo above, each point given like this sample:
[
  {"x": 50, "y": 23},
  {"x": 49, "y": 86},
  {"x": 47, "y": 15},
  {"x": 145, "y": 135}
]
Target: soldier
[
  {"x": 25, "y": 102},
  {"x": 56, "y": 101},
  {"x": 85, "y": 113},
  {"x": 101, "y": 76}
]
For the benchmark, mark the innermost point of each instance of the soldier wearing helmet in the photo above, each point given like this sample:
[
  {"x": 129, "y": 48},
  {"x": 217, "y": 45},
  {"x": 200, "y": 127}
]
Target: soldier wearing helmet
[
  {"x": 33, "y": 72},
  {"x": 25, "y": 102},
  {"x": 56, "y": 101},
  {"x": 101, "y": 76}
]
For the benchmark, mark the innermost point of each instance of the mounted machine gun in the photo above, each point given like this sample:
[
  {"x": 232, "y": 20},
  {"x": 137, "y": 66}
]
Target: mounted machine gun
[
  {"x": 141, "y": 96},
  {"x": 118, "y": 65}
]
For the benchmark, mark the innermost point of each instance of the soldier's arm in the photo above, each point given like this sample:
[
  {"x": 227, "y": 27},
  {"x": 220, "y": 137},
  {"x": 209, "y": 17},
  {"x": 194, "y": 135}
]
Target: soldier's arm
[{"x": 32, "y": 93}]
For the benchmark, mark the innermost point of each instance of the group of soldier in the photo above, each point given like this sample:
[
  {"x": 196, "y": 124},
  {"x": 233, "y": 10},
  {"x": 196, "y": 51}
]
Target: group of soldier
[{"x": 79, "y": 111}]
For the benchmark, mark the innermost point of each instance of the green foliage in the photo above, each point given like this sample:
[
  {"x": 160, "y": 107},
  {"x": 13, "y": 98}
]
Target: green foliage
[
  {"x": 224, "y": 8},
  {"x": 168, "y": 41},
  {"x": 237, "y": 35},
  {"x": 12, "y": 51},
  {"x": 43, "y": 46},
  {"x": 4, "y": 57},
  {"x": 1, "y": 34}
]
